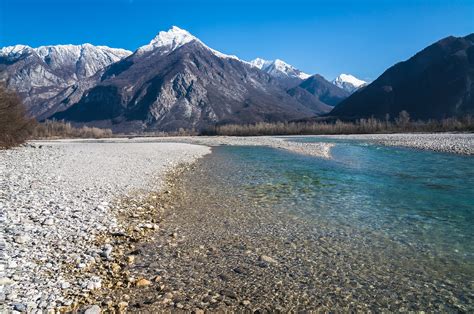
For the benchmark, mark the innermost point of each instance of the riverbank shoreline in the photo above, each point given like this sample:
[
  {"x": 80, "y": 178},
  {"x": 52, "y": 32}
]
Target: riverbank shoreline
[
  {"x": 455, "y": 143},
  {"x": 58, "y": 198}
]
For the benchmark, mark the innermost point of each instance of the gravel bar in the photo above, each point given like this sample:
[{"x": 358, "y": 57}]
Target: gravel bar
[
  {"x": 321, "y": 150},
  {"x": 457, "y": 143},
  {"x": 55, "y": 198}
]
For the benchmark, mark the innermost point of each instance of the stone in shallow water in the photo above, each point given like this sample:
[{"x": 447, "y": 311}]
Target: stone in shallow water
[
  {"x": 130, "y": 259},
  {"x": 143, "y": 283},
  {"x": 268, "y": 259},
  {"x": 95, "y": 309}
]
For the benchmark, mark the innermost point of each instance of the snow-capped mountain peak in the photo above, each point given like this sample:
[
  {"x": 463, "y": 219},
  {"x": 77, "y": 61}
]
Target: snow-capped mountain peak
[
  {"x": 258, "y": 63},
  {"x": 175, "y": 37},
  {"x": 14, "y": 51},
  {"x": 172, "y": 39},
  {"x": 278, "y": 68},
  {"x": 348, "y": 82}
]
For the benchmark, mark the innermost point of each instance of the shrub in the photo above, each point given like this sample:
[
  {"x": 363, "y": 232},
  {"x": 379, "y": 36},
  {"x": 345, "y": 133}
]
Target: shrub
[
  {"x": 60, "y": 129},
  {"x": 371, "y": 125},
  {"x": 15, "y": 126}
]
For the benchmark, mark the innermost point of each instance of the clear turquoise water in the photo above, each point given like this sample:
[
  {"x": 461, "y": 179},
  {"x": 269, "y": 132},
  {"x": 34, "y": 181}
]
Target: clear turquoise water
[
  {"x": 421, "y": 200},
  {"x": 372, "y": 229}
]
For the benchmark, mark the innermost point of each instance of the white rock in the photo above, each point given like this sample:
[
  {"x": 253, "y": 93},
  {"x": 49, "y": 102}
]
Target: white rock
[
  {"x": 21, "y": 239},
  {"x": 95, "y": 309},
  {"x": 94, "y": 283},
  {"x": 5, "y": 281},
  {"x": 48, "y": 222},
  {"x": 268, "y": 259}
]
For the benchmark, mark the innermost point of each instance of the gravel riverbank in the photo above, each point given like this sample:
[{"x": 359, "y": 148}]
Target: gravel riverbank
[
  {"x": 457, "y": 143},
  {"x": 55, "y": 197},
  {"x": 322, "y": 150}
]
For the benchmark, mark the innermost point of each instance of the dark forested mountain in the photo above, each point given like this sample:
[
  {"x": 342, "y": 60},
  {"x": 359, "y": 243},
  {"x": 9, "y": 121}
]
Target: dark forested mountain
[
  {"x": 178, "y": 82},
  {"x": 436, "y": 83}
]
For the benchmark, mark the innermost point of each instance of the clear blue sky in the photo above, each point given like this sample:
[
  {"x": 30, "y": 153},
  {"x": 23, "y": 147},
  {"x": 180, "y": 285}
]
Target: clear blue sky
[{"x": 327, "y": 37}]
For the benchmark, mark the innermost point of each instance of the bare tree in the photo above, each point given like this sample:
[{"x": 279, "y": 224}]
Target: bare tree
[
  {"x": 15, "y": 127},
  {"x": 403, "y": 119}
]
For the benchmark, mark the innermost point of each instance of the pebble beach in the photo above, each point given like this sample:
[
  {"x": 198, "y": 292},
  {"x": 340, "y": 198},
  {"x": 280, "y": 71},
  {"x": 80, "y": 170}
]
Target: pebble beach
[{"x": 55, "y": 198}]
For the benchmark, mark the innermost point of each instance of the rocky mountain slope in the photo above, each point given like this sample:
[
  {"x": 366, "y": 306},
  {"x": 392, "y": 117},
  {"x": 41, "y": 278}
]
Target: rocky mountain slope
[
  {"x": 176, "y": 81},
  {"x": 50, "y": 78},
  {"x": 436, "y": 83},
  {"x": 348, "y": 82}
]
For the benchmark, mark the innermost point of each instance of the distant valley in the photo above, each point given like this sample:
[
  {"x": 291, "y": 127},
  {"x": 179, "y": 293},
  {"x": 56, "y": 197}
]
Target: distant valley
[{"x": 178, "y": 82}]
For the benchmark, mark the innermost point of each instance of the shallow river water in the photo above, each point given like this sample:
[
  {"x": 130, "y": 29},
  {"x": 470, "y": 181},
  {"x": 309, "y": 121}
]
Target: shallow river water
[{"x": 371, "y": 228}]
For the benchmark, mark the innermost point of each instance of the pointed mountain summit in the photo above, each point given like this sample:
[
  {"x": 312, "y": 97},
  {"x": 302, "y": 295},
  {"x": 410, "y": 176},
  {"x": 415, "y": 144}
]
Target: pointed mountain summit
[
  {"x": 280, "y": 70},
  {"x": 176, "y": 81},
  {"x": 348, "y": 82},
  {"x": 168, "y": 41}
]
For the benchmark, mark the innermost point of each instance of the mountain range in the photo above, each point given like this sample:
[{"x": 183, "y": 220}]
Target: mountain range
[
  {"x": 44, "y": 77},
  {"x": 176, "y": 81}
]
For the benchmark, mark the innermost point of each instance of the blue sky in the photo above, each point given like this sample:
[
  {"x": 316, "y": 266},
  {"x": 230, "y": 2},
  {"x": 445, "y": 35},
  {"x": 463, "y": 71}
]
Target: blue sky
[{"x": 327, "y": 37}]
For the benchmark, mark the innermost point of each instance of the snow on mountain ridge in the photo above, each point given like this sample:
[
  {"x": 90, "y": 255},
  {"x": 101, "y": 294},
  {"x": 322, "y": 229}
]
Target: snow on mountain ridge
[
  {"x": 278, "y": 68},
  {"x": 348, "y": 82},
  {"x": 50, "y": 77},
  {"x": 176, "y": 37},
  {"x": 259, "y": 63},
  {"x": 13, "y": 50},
  {"x": 85, "y": 59},
  {"x": 350, "y": 79}
]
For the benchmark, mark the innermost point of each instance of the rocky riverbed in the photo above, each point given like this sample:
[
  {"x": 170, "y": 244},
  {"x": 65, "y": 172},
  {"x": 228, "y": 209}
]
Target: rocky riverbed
[
  {"x": 77, "y": 217},
  {"x": 230, "y": 239},
  {"x": 57, "y": 201}
]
